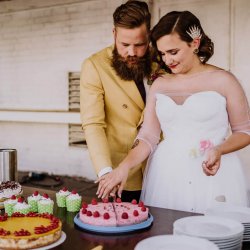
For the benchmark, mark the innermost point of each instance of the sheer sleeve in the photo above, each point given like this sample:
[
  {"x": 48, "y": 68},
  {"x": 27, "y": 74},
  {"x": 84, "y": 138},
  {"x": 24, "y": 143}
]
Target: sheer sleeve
[
  {"x": 150, "y": 130},
  {"x": 237, "y": 106}
]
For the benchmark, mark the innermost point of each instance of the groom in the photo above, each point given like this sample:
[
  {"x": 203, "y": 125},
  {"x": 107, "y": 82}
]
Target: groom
[{"x": 113, "y": 93}]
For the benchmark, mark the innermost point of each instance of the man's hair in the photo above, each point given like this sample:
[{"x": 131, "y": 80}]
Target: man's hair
[{"x": 132, "y": 14}]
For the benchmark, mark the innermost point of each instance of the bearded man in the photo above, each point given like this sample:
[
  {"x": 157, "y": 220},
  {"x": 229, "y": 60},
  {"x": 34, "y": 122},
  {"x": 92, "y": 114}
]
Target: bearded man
[{"x": 113, "y": 93}]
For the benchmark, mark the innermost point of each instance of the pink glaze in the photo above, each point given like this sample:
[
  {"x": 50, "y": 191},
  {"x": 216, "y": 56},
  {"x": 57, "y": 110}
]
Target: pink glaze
[
  {"x": 115, "y": 211},
  {"x": 129, "y": 208},
  {"x": 102, "y": 208}
]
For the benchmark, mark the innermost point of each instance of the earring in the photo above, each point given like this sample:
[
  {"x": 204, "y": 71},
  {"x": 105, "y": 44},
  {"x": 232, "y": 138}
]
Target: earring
[{"x": 196, "y": 51}]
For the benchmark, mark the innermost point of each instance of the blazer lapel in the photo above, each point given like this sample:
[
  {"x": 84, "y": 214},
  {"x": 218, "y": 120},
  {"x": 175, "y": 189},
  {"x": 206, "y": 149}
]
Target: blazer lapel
[{"x": 129, "y": 87}]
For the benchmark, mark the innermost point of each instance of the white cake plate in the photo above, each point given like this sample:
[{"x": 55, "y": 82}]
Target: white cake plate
[{"x": 114, "y": 230}]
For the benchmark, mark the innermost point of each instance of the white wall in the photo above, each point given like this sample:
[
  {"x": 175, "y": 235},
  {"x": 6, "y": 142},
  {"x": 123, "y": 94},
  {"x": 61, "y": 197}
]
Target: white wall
[
  {"x": 240, "y": 57},
  {"x": 38, "y": 48},
  {"x": 41, "y": 41},
  {"x": 39, "y": 44},
  {"x": 44, "y": 147}
]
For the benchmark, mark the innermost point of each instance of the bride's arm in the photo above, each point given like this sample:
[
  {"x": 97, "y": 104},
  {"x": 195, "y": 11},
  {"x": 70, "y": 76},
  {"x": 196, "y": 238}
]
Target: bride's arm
[
  {"x": 239, "y": 118},
  {"x": 236, "y": 141},
  {"x": 144, "y": 144}
]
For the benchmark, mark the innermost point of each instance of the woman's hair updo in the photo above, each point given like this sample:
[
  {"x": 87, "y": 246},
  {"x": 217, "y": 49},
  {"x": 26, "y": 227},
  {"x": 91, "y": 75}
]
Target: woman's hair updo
[{"x": 181, "y": 22}]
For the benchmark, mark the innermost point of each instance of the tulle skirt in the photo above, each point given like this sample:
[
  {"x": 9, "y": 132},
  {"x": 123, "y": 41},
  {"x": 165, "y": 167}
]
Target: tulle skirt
[{"x": 175, "y": 180}]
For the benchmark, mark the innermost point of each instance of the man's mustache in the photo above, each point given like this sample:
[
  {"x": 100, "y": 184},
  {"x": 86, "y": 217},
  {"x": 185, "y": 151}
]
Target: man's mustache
[{"x": 132, "y": 59}]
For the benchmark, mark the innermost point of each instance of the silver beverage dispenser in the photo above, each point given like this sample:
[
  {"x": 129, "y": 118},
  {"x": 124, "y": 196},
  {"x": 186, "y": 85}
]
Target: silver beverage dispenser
[{"x": 8, "y": 165}]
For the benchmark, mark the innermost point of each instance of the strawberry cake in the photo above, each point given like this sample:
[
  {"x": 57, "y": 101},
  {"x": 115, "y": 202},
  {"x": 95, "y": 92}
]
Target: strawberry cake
[
  {"x": 28, "y": 231},
  {"x": 116, "y": 213}
]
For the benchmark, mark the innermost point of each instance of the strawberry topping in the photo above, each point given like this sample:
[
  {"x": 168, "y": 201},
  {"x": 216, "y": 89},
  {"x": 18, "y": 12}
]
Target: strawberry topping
[
  {"x": 74, "y": 191},
  {"x": 134, "y": 201},
  {"x": 84, "y": 211},
  {"x": 105, "y": 200},
  {"x": 140, "y": 204},
  {"x": 96, "y": 214},
  {"x": 135, "y": 213},
  {"x": 94, "y": 201},
  {"x": 35, "y": 193},
  {"x": 119, "y": 200},
  {"x": 106, "y": 216},
  {"x": 125, "y": 215},
  {"x": 20, "y": 199},
  {"x": 46, "y": 196},
  {"x": 84, "y": 205},
  {"x": 89, "y": 213},
  {"x": 13, "y": 197}
]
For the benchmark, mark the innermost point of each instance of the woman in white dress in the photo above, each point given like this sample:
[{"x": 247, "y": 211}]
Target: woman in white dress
[{"x": 204, "y": 116}]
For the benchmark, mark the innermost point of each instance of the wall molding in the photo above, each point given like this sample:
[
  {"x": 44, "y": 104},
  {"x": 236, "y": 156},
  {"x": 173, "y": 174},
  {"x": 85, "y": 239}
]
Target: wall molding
[{"x": 40, "y": 117}]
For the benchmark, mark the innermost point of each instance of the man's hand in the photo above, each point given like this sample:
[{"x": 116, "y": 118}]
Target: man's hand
[{"x": 115, "y": 179}]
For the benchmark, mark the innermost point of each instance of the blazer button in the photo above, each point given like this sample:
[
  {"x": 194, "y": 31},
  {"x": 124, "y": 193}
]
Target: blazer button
[{"x": 125, "y": 106}]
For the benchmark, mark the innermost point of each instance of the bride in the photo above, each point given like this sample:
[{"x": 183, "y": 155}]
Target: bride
[{"x": 195, "y": 107}]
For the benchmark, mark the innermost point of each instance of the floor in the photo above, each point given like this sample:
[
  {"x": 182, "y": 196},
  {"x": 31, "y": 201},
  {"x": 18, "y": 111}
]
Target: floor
[{"x": 42, "y": 180}]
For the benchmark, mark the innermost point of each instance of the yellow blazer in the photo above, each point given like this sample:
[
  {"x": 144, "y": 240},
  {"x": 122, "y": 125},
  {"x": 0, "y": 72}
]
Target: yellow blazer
[{"x": 111, "y": 112}]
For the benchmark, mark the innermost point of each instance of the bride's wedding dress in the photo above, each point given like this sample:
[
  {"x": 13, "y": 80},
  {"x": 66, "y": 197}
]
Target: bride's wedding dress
[{"x": 174, "y": 177}]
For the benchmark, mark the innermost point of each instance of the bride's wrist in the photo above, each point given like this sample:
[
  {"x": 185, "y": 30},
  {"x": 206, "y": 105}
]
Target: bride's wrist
[{"x": 219, "y": 150}]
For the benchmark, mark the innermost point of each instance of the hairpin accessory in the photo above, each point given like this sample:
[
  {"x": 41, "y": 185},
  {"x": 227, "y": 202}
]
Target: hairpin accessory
[{"x": 194, "y": 32}]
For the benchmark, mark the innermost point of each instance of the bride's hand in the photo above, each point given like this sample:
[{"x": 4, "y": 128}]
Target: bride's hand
[
  {"x": 212, "y": 163},
  {"x": 107, "y": 182}
]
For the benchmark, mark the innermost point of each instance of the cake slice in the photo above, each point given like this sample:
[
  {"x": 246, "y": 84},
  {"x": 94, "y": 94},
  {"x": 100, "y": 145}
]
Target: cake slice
[
  {"x": 130, "y": 213},
  {"x": 98, "y": 213}
]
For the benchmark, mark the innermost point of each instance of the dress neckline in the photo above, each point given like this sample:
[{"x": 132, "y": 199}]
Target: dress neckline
[
  {"x": 191, "y": 96},
  {"x": 185, "y": 76}
]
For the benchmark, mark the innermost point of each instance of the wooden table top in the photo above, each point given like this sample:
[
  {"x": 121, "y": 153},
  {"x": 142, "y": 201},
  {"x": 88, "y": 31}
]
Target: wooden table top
[{"x": 78, "y": 239}]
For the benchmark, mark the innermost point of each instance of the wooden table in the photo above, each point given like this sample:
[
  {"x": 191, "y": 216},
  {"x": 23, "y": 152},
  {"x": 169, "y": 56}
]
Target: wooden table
[{"x": 77, "y": 239}]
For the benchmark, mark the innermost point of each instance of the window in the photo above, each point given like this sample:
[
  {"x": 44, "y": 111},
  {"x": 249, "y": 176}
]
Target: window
[{"x": 76, "y": 134}]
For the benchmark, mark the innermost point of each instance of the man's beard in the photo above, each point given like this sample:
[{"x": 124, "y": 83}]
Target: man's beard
[{"x": 128, "y": 71}]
